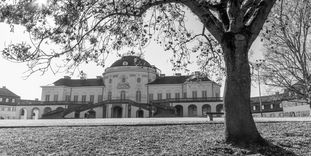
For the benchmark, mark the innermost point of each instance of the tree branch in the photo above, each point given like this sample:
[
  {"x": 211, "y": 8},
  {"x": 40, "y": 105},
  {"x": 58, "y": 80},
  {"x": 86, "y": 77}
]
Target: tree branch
[{"x": 259, "y": 17}]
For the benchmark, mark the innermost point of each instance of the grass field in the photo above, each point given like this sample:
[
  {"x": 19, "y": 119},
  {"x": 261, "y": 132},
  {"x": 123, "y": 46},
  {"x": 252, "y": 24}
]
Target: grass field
[{"x": 289, "y": 138}]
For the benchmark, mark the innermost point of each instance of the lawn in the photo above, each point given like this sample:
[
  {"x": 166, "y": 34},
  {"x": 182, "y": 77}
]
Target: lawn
[{"x": 290, "y": 138}]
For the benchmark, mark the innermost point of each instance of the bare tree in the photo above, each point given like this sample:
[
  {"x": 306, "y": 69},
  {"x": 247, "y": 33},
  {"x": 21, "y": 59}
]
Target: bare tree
[
  {"x": 90, "y": 29},
  {"x": 288, "y": 55}
]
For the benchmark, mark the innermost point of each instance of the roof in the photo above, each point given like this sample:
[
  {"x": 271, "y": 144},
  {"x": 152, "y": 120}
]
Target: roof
[
  {"x": 78, "y": 82},
  {"x": 170, "y": 80},
  {"x": 268, "y": 98},
  {"x": 194, "y": 78},
  {"x": 5, "y": 92},
  {"x": 131, "y": 61},
  {"x": 178, "y": 79}
]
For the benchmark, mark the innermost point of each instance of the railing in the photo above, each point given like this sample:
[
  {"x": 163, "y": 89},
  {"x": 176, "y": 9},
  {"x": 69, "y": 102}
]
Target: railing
[
  {"x": 54, "y": 102},
  {"x": 206, "y": 99},
  {"x": 84, "y": 106}
]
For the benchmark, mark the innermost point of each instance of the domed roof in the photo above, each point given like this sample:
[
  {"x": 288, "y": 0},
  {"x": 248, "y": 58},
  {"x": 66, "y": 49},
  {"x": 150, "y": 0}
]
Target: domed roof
[{"x": 131, "y": 61}]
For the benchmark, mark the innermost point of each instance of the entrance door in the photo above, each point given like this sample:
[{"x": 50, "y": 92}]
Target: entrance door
[
  {"x": 140, "y": 114},
  {"x": 117, "y": 112},
  {"x": 179, "y": 110}
]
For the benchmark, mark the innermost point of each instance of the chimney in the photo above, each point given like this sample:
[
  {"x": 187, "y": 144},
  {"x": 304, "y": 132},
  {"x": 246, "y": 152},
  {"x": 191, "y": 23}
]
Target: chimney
[
  {"x": 162, "y": 75},
  {"x": 67, "y": 77},
  {"x": 36, "y": 99},
  {"x": 3, "y": 87},
  {"x": 178, "y": 74},
  {"x": 99, "y": 77}
]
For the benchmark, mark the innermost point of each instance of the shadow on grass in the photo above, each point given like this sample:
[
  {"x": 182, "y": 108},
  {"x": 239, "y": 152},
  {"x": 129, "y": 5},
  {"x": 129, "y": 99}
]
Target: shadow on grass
[{"x": 268, "y": 149}]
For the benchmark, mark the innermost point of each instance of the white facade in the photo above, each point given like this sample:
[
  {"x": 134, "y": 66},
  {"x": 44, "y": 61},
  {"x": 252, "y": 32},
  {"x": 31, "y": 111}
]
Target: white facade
[
  {"x": 129, "y": 80},
  {"x": 84, "y": 93},
  {"x": 127, "y": 89},
  {"x": 296, "y": 108}
]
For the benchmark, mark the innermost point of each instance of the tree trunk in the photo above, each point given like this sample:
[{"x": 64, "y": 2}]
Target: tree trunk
[{"x": 240, "y": 127}]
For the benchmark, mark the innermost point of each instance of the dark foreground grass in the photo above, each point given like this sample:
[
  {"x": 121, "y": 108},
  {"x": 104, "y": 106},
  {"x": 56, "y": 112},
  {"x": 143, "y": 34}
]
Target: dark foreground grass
[{"x": 288, "y": 138}]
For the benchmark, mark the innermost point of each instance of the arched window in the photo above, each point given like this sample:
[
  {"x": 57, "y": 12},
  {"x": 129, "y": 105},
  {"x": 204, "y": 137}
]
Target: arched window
[
  {"x": 219, "y": 108},
  {"x": 47, "y": 109},
  {"x": 192, "y": 110},
  {"x": 60, "y": 108},
  {"x": 116, "y": 112},
  {"x": 206, "y": 108},
  {"x": 179, "y": 110},
  {"x": 138, "y": 96},
  {"x": 35, "y": 113},
  {"x": 90, "y": 114},
  {"x": 23, "y": 113},
  {"x": 140, "y": 113}
]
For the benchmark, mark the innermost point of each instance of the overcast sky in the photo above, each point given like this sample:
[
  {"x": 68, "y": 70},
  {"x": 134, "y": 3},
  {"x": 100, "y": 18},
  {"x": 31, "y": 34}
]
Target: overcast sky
[{"x": 13, "y": 77}]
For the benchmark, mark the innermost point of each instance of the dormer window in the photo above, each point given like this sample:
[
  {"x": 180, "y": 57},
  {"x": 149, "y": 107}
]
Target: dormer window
[{"x": 125, "y": 63}]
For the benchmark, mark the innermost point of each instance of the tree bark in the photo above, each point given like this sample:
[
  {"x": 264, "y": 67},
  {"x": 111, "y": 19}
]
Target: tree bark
[{"x": 240, "y": 127}]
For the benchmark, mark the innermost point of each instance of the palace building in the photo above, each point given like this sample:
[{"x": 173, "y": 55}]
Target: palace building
[{"x": 131, "y": 87}]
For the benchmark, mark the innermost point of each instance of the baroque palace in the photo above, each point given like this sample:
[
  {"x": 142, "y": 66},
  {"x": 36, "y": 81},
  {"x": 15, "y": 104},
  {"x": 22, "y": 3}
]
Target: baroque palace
[{"x": 129, "y": 88}]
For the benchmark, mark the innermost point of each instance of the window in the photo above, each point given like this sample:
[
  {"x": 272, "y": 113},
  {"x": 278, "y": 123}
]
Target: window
[
  {"x": 122, "y": 95},
  {"x": 194, "y": 94},
  {"x": 138, "y": 96},
  {"x": 262, "y": 107},
  {"x": 254, "y": 107},
  {"x": 184, "y": 95},
  {"x": 150, "y": 97},
  {"x": 217, "y": 94},
  {"x": 75, "y": 98},
  {"x": 159, "y": 96},
  {"x": 7, "y": 100},
  {"x": 9, "y": 108},
  {"x": 177, "y": 95},
  {"x": 13, "y": 100},
  {"x": 280, "y": 105},
  {"x": 125, "y": 63},
  {"x": 83, "y": 98},
  {"x": 100, "y": 98},
  {"x": 109, "y": 95},
  {"x": 67, "y": 98},
  {"x": 138, "y": 80},
  {"x": 110, "y": 80},
  {"x": 204, "y": 94},
  {"x": 47, "y": 97},
  {"x": 168, "y": 95},
  {"x": 92, "y": 98},
  {"x": 0, "y": 99},
  {"x": 271, "y": 106},
  {"x": 55, "y": 97}
]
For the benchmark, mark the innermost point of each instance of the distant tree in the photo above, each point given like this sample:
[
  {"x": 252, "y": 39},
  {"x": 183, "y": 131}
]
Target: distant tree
[
  {"x": 89, "y": 29},
  {"x": 287, "y": 41}
]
